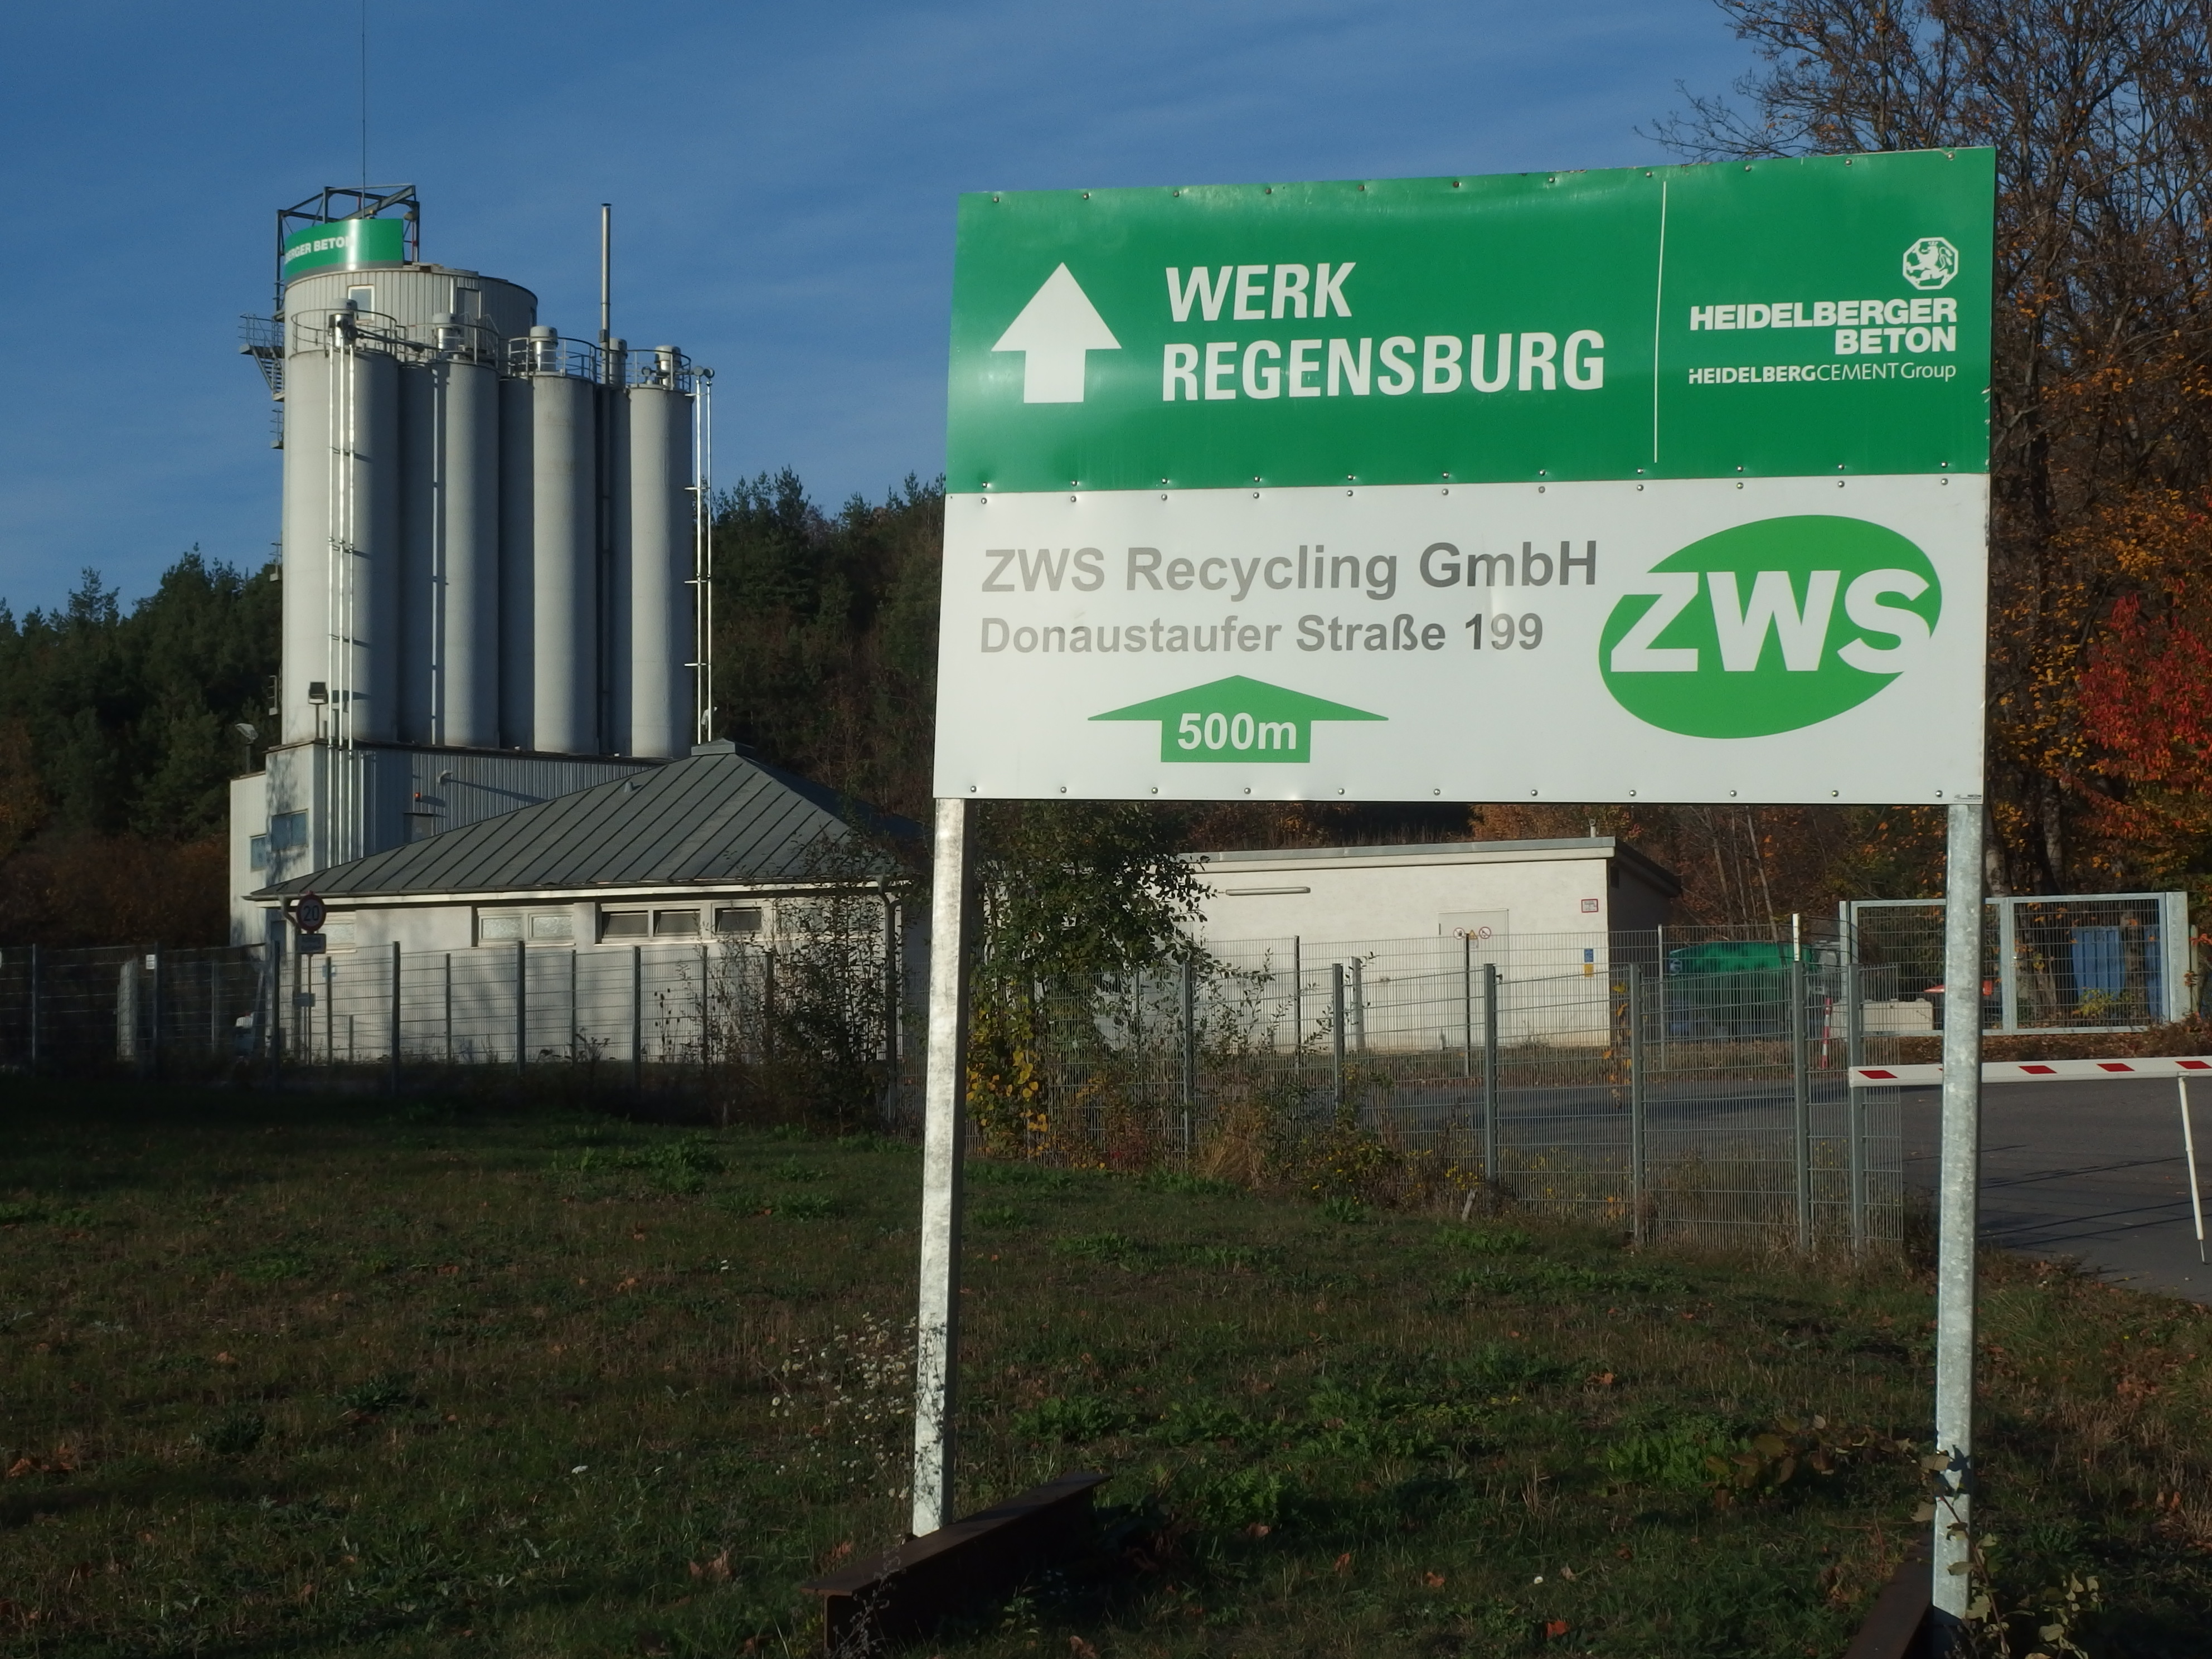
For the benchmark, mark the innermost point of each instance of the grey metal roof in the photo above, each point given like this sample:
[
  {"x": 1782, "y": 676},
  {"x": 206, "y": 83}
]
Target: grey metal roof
[{"x": 715, "y": 817}]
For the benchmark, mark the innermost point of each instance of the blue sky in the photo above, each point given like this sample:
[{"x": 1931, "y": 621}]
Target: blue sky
[{"x": 783, "y": 179}]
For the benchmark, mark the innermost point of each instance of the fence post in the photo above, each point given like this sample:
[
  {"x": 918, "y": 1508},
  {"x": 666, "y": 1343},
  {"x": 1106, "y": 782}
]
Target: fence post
[
  {"x": 1800, "y": 1094},
  {"x": 2008, "y": 984},
  {"x": 1854, "y": 1056},
  {"x": 449, "y": 1008},
  {"x": 1467, "y": 996},
  {"x": 215, "y": 1009},
  {"x": 392, "y": 1080},
  {"x": 1490, "y": 1172},
  {"x": 1336, "y": 1032},
  {"x": 891, "y": 1009},
  {"x": 1636, "y": 1164},
  {"x": 706, "y": 1013},
  {"x": 637, "y": 1020},
  {"x": 331, "y": 1011},
  {"x": 272, "y": 956},
  {"x": 1661, "y": 971},
  {"x": 521, "y": 1009},
  {"x": 154, "y": 1001},
  {"x": 1189, "y": 1053},
  {"x": 1297, "y": 1010},
  {"x": 1359, "y": 1003},
  {"x": 574, "y": 1018},
  {"x": 38, "y": 1005}
]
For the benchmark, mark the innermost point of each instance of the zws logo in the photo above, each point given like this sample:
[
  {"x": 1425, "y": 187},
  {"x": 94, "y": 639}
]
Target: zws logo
[{"x": 1769, "y": 627}]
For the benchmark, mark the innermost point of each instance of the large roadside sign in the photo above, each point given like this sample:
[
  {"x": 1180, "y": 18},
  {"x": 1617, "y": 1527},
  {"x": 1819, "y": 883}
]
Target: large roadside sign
[{"x": 1663, "y": 483}]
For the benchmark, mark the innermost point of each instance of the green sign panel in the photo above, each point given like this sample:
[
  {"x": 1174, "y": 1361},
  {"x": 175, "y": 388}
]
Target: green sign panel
[
  {"x": 345, "y": 245},
  {"x": 1783, "y": 318}
]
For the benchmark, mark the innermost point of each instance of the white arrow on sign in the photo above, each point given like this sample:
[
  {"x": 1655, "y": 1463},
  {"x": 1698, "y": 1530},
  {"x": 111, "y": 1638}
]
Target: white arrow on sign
[{"x": 1056, "y": 328}]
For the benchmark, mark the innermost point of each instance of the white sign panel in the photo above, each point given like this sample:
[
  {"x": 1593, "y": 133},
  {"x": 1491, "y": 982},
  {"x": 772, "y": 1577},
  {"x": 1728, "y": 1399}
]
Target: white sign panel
[{"x": 1689, "y": 640}]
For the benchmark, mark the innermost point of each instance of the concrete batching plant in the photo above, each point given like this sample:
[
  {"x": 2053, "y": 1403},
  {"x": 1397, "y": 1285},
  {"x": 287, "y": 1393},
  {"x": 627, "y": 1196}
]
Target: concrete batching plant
[{"x": 494, "y": 549}]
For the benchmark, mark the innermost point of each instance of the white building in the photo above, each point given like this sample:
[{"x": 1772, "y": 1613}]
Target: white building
[
  {"x": 1411, "y": 929},
  {"x": 1492, "y": 889}
]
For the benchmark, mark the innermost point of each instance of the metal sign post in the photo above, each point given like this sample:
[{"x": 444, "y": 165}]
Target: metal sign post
[
  {"x": 1958, "y": 1220},
  {"x": 944, "y": 1106}
]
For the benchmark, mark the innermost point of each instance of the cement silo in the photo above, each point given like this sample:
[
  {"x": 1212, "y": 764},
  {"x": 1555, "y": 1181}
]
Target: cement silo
[
  {"x": 491, "y": 538},
  {"x": 555, "y": 392},
  {"x": 661, "y": 557}
]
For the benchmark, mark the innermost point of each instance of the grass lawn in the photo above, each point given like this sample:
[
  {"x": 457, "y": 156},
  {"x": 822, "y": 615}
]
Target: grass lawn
[{"x": 320, "y": 1376}]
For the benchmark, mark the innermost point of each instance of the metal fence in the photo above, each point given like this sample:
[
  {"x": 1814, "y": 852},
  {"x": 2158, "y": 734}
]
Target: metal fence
[
  {"x": 2107, "y": 962},
  {"x": 1677, "y": 1083},
  {"x": 663, "y": 1008}
]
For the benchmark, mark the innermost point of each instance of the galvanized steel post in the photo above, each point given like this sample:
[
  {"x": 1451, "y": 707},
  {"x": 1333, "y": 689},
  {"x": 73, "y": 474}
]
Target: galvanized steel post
[
  {"x": 2008, "y": 958},
  {"x": 521, "y": 1008},
  {"x": 1636, "y": 1100},
  {"x": 161, "y": 986},
  {"x": 705, "y": 1018},
  {"x": 1467, "y": 998},
  {"x": 1800, "y": 1085},
  {"x": 937, "y": 1334},
  {"x": 1490, "y": 1074},
  {"x": 449, "y": 1008},
  {"x": 1359, "y": 1004},
  {"x": 1336, "y": 1033},
  {"x": 38, "y": 1005},
  {"x": 1189, "y": 1053},
  {"x": 637, "y": 1020},
  {"x": 1958, "y": 1199},
  {"x": 1298, "y": 1009},
  {"x": 1855, "y": 1056},
  {"x": 393, "y": 1077}
]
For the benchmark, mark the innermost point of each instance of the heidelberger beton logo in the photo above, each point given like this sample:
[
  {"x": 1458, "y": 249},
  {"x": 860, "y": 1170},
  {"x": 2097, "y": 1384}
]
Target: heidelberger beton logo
[
  {"x": 1769, "y": 627},
  {"x": 1238, "y": 719},
  {"x": 1931, "y": 262}
]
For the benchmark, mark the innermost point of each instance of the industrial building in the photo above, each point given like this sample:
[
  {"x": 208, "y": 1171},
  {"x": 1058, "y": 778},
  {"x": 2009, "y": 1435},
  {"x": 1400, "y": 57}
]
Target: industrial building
[
  {"x": 494, "y": 550},
  {"x": 1488, "y": 890}
]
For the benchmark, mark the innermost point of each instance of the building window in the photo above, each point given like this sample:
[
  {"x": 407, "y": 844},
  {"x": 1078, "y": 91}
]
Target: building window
[
  {"x": 498, "y": 927},
  {"x": 256, "y": 852},
  {"x": 556, "y": 927},
  {"x": 287, "y": 831},
  {"x": 361, "y": 299},
  {"x": 676, "y": 923},
  {"x": 623, "y": 924},
  {"x": 738, "y": 919}
]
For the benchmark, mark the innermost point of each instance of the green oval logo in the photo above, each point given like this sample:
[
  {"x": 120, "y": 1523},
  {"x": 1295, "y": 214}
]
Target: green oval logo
[{"x": 1768, "y": 627}]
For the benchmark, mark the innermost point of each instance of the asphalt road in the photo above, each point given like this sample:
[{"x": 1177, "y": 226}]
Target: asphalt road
[{"x": 2092, "y": 1171}]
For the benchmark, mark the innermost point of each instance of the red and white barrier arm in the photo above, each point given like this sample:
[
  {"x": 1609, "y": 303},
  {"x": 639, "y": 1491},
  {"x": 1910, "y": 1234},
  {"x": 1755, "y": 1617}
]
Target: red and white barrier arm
[{"x": 2034, "y": 1071}]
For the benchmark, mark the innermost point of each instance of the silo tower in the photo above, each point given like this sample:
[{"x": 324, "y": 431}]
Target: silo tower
[{"x": 494, "y": 546}]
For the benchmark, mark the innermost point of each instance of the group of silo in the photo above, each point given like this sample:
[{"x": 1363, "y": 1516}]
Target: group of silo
[{"x": 490, "y": 531}]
